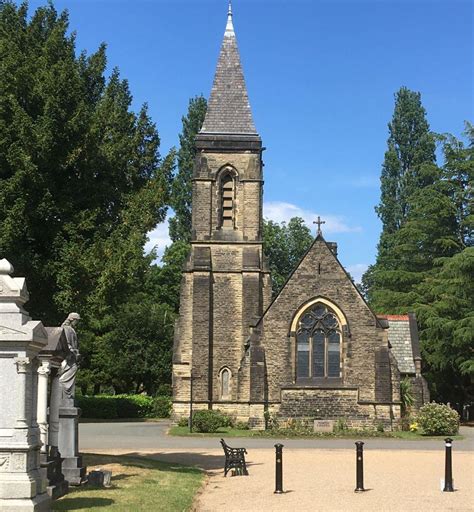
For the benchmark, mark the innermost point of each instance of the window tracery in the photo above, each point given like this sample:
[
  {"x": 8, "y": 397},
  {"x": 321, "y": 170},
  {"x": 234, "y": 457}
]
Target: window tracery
[{"x": 318, "y": 344}]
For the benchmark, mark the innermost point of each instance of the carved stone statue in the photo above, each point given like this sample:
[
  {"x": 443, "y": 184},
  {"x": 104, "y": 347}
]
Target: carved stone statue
[{"x": 70, "y": 364}]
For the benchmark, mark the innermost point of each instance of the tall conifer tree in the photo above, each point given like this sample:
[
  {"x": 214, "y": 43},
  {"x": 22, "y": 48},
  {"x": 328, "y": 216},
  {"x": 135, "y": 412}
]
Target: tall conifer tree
[
  {"x": 409, "y": 165},
  {"x": 181, "y": 197}
]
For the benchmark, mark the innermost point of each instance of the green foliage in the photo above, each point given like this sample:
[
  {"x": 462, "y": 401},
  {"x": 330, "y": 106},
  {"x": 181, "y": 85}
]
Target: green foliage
[
  {"x": 424, "y": 261},
  {"x": 124, "y": 406},
  {"x": 242, "y": 425},
  {"x": 166, "y": 279},
  {"x": 438, "y": 419},
  {"x": 410, "y": 147},
  {"x": 183, "y": 422},
  {"x": 340, "y": 425},
  {"x": 284, "y": 245},
  {"x": 406, "y": 396},
  {"x": 181, "y": 196},
  {"x": 210, "y": 421},
  {"x": 97, "y": 407},
  {"x": 165, "y": 390},
  {"x": 162, "y": 407},
  {"x": 446, "y": 314},
  {"x": 82, "y": 182}
]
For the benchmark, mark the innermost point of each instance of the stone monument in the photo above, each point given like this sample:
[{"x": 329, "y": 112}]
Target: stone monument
[
  {"x": 22, "y": 483},
  {"x": 51, "y": 358},
  {"x": 72, "y": 468}
]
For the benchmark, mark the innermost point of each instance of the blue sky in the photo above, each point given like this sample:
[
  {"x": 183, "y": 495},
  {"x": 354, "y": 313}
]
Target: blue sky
[{"x": 321, "y": 77}]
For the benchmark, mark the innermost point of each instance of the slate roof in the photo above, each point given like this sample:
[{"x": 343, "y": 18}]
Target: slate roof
[
  {"x": 228, "y": 109},
  {"x": 400, "y": 337}
]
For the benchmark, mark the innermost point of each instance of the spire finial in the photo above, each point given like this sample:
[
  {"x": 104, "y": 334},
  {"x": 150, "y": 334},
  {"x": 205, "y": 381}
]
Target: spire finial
[{"x": 229, "y": 29}]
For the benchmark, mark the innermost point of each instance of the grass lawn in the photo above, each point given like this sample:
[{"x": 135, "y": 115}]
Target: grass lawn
[
  {"x": 232, "y": 432},
  {"x": 138, "y": 484}
]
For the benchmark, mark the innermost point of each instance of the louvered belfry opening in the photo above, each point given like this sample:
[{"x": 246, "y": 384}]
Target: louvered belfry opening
[{"x": 227, "y": 201}]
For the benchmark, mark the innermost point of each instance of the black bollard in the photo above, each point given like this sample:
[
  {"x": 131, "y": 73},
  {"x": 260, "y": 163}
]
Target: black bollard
[
  {"x": 359, "y": 467},
  {"x": 278, "y": 468},
  {"x": 448, "y": 467}
]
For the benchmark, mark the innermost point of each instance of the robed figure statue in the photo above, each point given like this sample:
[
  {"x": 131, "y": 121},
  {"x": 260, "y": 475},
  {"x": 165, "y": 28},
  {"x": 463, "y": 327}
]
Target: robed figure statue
[{"x": 70, "y": 363}]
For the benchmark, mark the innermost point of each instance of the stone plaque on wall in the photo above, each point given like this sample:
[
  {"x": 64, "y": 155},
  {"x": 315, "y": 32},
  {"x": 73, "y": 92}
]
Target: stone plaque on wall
[{"x": 323, "y": 425}]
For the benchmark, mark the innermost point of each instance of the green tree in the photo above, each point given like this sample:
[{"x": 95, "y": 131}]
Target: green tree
[
  {"x": 446, "y": 315},
  {"x": 167, "y": 276},
  {"x": 429, "y": 233},
  {"x": 181, "y": 197},
  {"x": 408, "y": 167},
  {"x": 82, "y": 182},
  {"x": 411, "y": 146},
  {"x": 284, "y": 245},
  {"x": 458, "y": 171}
]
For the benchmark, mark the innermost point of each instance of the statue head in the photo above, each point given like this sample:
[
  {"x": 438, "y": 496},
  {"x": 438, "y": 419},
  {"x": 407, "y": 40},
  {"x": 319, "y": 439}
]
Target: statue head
[{"x": 72, "y": 319}]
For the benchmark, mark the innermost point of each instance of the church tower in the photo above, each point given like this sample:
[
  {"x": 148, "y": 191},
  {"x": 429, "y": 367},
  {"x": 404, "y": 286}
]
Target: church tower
[{"x": 226, "y": 285}]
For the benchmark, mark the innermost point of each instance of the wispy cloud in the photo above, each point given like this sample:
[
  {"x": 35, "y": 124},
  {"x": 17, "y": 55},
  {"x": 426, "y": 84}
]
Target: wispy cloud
[
  {"x": 357, "y": 270},
  {"x": 280, "y": 211},
  {"x": 364, "y": 181},
  {"x": 158, "y": 238}
]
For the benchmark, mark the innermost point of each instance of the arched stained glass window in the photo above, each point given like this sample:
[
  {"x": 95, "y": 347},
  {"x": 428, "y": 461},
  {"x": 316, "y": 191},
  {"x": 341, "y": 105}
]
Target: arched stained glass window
[{"x": 318, "y": 344}]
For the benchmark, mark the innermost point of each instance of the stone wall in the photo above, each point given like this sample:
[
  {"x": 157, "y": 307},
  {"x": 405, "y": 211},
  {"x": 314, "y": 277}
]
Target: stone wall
[{"x": 321, "y": 275}]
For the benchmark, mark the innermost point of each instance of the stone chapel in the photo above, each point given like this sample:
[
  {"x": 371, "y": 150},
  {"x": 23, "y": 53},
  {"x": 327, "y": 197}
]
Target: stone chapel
[{"x": 316, "y": 351}]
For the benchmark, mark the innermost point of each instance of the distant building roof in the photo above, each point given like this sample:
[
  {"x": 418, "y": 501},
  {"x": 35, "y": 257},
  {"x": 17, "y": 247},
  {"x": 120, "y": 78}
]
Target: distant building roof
[
  {"x": 228, "y": 109},
  {"x": 403, "y": 337}
]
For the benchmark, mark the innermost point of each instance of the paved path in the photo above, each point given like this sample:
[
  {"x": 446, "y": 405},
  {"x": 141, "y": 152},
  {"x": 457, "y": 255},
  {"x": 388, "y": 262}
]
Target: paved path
[{"x": 152, "y": 436}]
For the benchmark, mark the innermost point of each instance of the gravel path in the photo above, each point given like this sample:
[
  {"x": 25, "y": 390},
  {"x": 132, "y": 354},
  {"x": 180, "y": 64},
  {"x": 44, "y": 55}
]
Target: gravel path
[{"x": 324, "y": 480}]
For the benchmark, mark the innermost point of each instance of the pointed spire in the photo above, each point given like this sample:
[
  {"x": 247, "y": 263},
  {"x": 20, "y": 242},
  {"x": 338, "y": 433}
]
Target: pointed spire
[
  {"x": 228, "y": 109},
  {"x": 229, "y": 29}
]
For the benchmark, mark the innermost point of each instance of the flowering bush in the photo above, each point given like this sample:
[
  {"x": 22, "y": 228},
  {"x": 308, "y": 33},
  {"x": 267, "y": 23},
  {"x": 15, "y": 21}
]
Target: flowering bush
[{"x": 438, "y": 419}]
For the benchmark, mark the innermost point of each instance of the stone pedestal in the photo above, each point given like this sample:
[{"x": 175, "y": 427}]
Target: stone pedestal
[
  {"x": 73, "y": 469},
  {"x": 57, "y": 485},
  {"x": 22, "y": 482}
]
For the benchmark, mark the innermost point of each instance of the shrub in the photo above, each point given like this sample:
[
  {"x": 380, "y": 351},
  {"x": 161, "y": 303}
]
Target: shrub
[
  {"x": 164, "y": 390},
  {"x": 242, "y": 425},
  {"x": 161, "y": 407},
  {"x": 97, "y": 407},
  {"x": 438, "y": 419},
  {"x": 340, "y": 426},
  {"x": 134, "y": 406},
  {"x": 107, "y": 407},
  {"x": 406, "y": 396},
  {"x": 183, "y": 422},
  {"x": 209, "y": 421}
]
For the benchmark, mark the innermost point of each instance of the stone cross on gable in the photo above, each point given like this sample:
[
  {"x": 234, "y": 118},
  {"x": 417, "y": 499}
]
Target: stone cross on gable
[{"x": 319, "y": 222}]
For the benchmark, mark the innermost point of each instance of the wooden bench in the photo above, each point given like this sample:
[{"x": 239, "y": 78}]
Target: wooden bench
[{"x": 234, "y": 459}]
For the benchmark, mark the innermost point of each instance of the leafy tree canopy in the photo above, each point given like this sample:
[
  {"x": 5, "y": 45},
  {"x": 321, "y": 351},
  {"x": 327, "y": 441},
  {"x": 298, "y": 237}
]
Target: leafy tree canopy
[
  {"x": 284, "y": 245},
  {"x": 82, "y": 181}
]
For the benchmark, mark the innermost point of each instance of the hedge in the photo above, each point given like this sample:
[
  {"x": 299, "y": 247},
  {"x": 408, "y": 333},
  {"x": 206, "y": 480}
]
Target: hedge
[{"x": 109, "y": 407}]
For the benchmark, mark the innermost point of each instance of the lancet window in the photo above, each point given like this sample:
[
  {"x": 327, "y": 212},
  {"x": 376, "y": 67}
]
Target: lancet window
[
  {"x": 227, "y": 201},
  {"x": 225, "y": 383}
]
